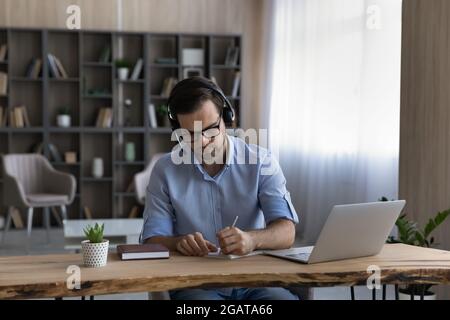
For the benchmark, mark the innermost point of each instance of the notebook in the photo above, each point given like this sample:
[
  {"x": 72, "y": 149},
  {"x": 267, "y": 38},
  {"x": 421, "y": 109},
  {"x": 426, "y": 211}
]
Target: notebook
[
  {"x": 220, "y": 255},
  {"x": 142, "y": 251}
]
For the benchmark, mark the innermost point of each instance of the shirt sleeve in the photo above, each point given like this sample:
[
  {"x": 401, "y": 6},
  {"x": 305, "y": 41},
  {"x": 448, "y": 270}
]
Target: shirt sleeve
[
  {"x": 159, "y": 214},
  {"x": 274, "y": 199}
]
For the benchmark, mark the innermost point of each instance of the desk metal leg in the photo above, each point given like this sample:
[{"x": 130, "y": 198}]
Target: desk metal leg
[
  {"x": 91, "y": 298},
  {"x": 396, "y": 292},
  {"x": 422, "y": 292},
  {"x": 384, "y": 292},
  {"x": 58, "y": 298},
  {"x": 352, "y": 292}
]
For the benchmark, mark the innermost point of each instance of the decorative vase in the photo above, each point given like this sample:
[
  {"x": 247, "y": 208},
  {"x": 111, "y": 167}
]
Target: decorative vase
[
  {"x": 63, "y": 120},
  {"x": 95, "y": 254},
  {"x": 123, "y": 73},
  {"x": 97, "y": 167},
  {"x": 130, "y": 152}
]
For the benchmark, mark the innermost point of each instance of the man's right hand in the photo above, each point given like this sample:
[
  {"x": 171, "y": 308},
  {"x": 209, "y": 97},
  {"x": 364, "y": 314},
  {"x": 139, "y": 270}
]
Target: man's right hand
[{"x": 195, "y": 245}]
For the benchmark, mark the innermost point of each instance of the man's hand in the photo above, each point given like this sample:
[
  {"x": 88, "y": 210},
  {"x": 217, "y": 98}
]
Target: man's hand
[
  {"x": 233, "y": 240},
  {"x": 195, "y": 245}
]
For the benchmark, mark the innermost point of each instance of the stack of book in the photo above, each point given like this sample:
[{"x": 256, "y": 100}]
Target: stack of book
[
  {"x": 137, "y": 69},
  {"x": 3, "y": 52},
  {"x": 104, "y": 118},
  {"x": 164, "y": 60},
  {"x": 3, "y": 84},
  {"x": 168, "y": 85},
  {"x": 3, "y": 116},
  {"x": 236, "y": 84},
  {"x": 34, "y": 68},
  {"x": 18, "y": 117},
  {"x": 56, "y": 68}
]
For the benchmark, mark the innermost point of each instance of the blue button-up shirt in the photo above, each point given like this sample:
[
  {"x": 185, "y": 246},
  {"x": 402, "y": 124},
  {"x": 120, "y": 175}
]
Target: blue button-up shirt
[{"x": 184, "y": 198}]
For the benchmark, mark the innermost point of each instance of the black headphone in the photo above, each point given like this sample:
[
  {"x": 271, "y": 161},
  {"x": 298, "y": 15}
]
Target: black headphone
[{"x": 200, "y": 82}]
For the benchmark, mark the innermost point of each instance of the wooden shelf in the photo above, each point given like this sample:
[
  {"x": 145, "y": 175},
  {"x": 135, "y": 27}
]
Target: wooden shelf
[
  {"x": 97, "y": 64},
  {"x": 25, "y": 79},
  {"x": 92, "y": 179},
  {"x": 130, "y": 163},
  {"x": 64, "y": 79},
  {"x": 79, "y": 52}
]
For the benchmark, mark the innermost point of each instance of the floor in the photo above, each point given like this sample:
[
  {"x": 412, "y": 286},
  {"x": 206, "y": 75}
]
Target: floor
[{"x": 15, "y": 244}]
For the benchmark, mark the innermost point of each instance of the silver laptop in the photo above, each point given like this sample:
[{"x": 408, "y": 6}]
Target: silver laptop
[{"x": 351, "y": 231}]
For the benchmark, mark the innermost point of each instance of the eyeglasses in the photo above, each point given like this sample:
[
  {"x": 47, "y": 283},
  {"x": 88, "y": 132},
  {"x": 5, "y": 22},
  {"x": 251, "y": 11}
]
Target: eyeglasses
[{"x": 209, "y": 133}]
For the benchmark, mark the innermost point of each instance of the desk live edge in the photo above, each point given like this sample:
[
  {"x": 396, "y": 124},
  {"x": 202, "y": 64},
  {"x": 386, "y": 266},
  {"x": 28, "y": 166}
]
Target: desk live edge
[{"x": 29, "y": 277}]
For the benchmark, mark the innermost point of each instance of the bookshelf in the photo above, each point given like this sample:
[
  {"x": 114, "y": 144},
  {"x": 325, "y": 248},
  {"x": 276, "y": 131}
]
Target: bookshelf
[{"x": 92, "y": 83}]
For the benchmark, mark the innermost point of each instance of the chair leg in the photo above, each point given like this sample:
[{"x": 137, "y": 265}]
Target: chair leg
[
  {"x": 63, "y": 213},
  {"x": 29, "y": 222},
  {"x": 7, "y": 224},
  {"x": 47, "y": 222}
]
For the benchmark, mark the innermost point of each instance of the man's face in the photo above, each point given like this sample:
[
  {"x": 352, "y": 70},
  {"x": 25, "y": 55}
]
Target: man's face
[{"x": 204, "y": 146}]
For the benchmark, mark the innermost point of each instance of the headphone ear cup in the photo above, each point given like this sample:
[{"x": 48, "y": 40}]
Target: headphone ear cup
[{"x": 227, "y": 115}]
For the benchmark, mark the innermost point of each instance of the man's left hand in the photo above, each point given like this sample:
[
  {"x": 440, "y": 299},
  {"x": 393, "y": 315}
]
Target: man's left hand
[{"x": 233, "y": 240}]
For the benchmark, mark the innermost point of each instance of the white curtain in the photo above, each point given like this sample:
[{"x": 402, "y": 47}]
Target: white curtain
[{"x": 333, "y": 101}]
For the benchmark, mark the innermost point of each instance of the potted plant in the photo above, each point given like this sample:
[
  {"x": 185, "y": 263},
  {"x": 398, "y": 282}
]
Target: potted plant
[
  {"x": 410, "y": 233},
  {"x": 63, "y": 118},
  {"x": 161, "y": 116},
  {"x": 95, "y": 248},
  {"x": 123, "y": 68}
]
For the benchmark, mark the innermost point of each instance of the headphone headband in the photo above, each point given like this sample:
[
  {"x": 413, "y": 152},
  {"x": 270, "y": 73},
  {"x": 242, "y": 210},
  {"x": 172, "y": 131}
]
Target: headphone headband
[{"x": 199, "y": 82}]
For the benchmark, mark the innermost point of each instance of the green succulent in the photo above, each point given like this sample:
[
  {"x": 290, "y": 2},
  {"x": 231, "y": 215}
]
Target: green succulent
[
  {"x": 121, "y": 63},
  {"x": 410, "y": 233},
  {"x": 95, "y": 233}
]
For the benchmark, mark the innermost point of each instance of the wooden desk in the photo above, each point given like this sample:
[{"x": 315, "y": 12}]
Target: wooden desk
[{"x": 45, "y": 276}]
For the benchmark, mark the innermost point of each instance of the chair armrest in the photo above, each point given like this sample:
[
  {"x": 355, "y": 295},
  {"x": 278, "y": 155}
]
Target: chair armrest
[
  {"x": 58, "y": 182},
  {"x": 13, "y": 192}
]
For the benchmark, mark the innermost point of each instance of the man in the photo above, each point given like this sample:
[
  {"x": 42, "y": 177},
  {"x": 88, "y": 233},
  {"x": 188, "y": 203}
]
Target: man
[{"x": 191, "y": 207}]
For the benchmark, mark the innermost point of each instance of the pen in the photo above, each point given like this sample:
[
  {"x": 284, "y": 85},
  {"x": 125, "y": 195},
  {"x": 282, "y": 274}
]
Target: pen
[{"x": 234, "y": 224}]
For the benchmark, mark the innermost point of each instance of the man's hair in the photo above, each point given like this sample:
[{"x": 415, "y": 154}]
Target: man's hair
[{"x": 188, "y": 95}]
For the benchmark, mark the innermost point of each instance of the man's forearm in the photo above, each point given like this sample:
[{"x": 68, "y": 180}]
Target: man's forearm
[
  {"x": 169, "y": 242},
  {"x": 280, "y": 234}
]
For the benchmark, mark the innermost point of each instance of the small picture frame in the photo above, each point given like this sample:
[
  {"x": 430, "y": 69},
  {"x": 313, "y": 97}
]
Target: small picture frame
[{"x": 192, "y": 72}]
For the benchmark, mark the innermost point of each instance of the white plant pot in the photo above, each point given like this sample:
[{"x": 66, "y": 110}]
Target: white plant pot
[
  {"x": 63, "y": 120},
  {"x": 95, "y": 254},
  {"x": 406, "y": 296},
  {"x": 123, "y": 73}
]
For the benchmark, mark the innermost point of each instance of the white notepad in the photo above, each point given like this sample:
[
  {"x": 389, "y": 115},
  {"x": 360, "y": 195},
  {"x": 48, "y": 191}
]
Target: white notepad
[{"x": 220, "y": 255}]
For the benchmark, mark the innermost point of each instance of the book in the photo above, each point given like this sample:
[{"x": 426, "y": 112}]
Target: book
[
  {"x": 152, "y": 116},
  {"x": 3, "y": 52},
  {"x": 236, "y": 84},
  {"x": 166, "y": 60},
  {"x": 60, "y": 67},
  {"x": 54, "y": 152},
  {"x": 168, "y": 85},
  {"x": 105, "y": 54},
  {"x": 232, "y": 56},
  {"x": 36, "y": 69},
  {"x": 87, "y": 213},
  {"x": 17, "y": 219},
  {"x": 137, "y": 69},
  {"x": 18, "y": 118},
  {"x": 52, "y": 66},
  {"x": 24, "y": 114},
  {"x": 104, "y": 118},
  {"x": 142, "y": 251},
  {"x": 133, "y": 212},
  {"x": 3, "y": 84},
  {"x": 1, "y": 116}
]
